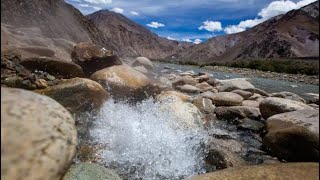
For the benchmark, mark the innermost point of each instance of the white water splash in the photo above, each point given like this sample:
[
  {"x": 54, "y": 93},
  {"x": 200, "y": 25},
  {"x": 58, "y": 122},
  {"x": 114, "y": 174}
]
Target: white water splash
[{"x": 146, "y": 143}]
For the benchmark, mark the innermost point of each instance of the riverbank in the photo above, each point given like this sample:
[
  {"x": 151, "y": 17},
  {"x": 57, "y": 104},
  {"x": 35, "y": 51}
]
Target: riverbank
[{"x": 270, "y": 75}]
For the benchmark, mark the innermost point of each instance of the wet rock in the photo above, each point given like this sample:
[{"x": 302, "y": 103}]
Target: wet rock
[
  {"x": 272, "y": 171},
  {"x": 204, "y": 86},
  {"x": 234, "y": 84},
  {"x": 261, "y": 92},
  {"x": 188, "y": 73},
  {"x": 251, "y": 125},
  {"x": 255, "y": 97},
  {"x": 41, "y": 83},
  {"x": 186, "y": 114},
  {"x": 244, "y": 94},
  {"x": 180, "y": 81},
  {"x": 212, "y": 81},
  {"x": 236, "y": 113},
  {"x": 56, "y": 67},
  {"x": 225, "y": 99},
  {"x": 125, "y": 83},
  {"x": 189, "y": 89},
  {"x": 294, "y": 136},
  {"x": 251, "y": 103},
  {"x": 273, "y": 105},
  {"x": 165, "y": 83},
  {"x": 204, "y": 105},
  {"x": 93, "y": 57},
  {"x": 143, "y": 61},
  {"x": 77, "y": 94},
  {"x": 90, "y": 171},
  {"x": 289, "y": 95},
  {"x": 221, "y": 158},
  {"x": 40, "y": 136},
  {"x": 203, "y": 78}
]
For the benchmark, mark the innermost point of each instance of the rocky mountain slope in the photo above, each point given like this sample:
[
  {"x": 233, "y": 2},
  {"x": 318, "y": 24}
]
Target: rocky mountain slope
[
  {"x": 46, "y": 27},
  {"x": 132, "y": 38},
  {"x": 295, "y": 34}
]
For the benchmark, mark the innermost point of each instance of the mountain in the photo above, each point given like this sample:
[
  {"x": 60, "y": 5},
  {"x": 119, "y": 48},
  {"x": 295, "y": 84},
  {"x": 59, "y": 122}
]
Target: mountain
[
  {"x": 133, "y": 39},
  {"x": 46, "y": 27},
  {"x": 295, "y": 34}
]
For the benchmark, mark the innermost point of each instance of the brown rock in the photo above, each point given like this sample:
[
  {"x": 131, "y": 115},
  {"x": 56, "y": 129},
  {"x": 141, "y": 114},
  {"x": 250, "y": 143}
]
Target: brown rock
[
  {"x": 38, "y": 136},
  {"x": 225, "y": 99},
  {"x": 77, "y": 94},
  {"x": 93, "y": 57}
]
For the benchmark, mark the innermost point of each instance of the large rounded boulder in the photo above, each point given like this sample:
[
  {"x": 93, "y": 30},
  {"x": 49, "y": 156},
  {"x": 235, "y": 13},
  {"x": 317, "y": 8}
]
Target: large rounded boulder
[
  {"x": 271, "y": 171},
  {"x": 38, "y": 136},
  {"x": 77, "y": 94},
  {"x": 274, "y": 105},
  {"x": 143, "y": 61},
  {"x": 92, "y": 57},
  {"x": 294, "y": 136},
  {"x": 234, "y": 84},
  {"x": 237, "y": 112},
  {"x": 125, "y": 83}
]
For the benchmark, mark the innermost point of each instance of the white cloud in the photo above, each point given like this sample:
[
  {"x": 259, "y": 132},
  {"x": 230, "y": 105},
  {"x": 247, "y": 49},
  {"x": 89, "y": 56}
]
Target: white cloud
[
  {"x": 96, "y": 8},
  {"x": 197, "y": 41},
  {"x": 211, "y": 26},
  {"x": 155, "y": 25},
  {"x": 117, "y": 10},
  {"x": 186, "y": 40},
  {"x": 134, "y": 13},
  {"x": 98, "y": 1},
  {"x": 84, "y": 5},
  {"x": 275, "y": 8},
  {"x": 170, "y": 38}
]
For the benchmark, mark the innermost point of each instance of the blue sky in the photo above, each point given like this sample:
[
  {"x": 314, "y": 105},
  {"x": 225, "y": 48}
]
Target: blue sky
[{"x": 193, "y": 20}]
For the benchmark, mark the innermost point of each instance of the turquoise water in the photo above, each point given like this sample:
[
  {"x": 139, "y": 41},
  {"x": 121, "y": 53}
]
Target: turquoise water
[{"x": 268, "y": 85}]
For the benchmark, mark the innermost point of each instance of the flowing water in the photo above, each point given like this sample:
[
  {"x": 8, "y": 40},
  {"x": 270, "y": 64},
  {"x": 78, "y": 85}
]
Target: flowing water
[{"x": 146, "y": 142}]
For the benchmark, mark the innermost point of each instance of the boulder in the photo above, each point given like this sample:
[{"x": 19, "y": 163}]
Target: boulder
[
  {"x": 180, "y": 81},
  {"x": 77, "y": 94},
  {"x": 92, "y": 57},
  {"x": 203, "y": 78},
  {"x": 222, "y": 158},
  {"x": 233, "y": 84},
  {"x": 289, "y": 95},
  {"x": 125, "y": 83},
  {"x": 212, "y": 81},
  {"x": 204, "y": 86},
  {"x": 143, "y": 61},
  {"x": 189, "y": 89},
  {"x": 255, "y": 97},
  {"x": 244, "y": 94},
  {"x": 225, "y": 99},
  {"x": 53, "y": 66},
  {"x": 314, "y": 98},
  {"x": 204, "y": 105},
  {"x": 90, "y": 171},
  {"x": 38, "y": 136},
  {"x": 237, "y": 112},
  {"x": 141, "y": 69},
  {"x": 165, "y": 83},
  {"x": 273, "y": 105},
  {"x": 260, "y": 91},
  {"x": 251, "y": 125},
  {"x": 187, "y": 116},
  {"x": 251, "y": 103},
  {"x": 294, "y": 136},
  {"x": 266, "y": 171}
]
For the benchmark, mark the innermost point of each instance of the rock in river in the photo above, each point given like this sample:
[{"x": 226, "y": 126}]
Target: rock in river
[
  {"x": 294, "y": 136},
  {"x": 38, "y": 136}
]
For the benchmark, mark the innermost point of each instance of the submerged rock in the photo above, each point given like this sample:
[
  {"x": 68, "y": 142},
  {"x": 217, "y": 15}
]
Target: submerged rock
[
  {"x": 273, "y": 105},
  {"x": 143, "y": 61},
  {"x": 77, "y": 94},
  {"x": 93, "y": 57},
  {"x": 271, "y": 171},
  {"x": 38, "y": 136},
  {"x": 90, "y": 171},
  {"x": 125, "y": 83},
  {"x": 294, "y": 136}
]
